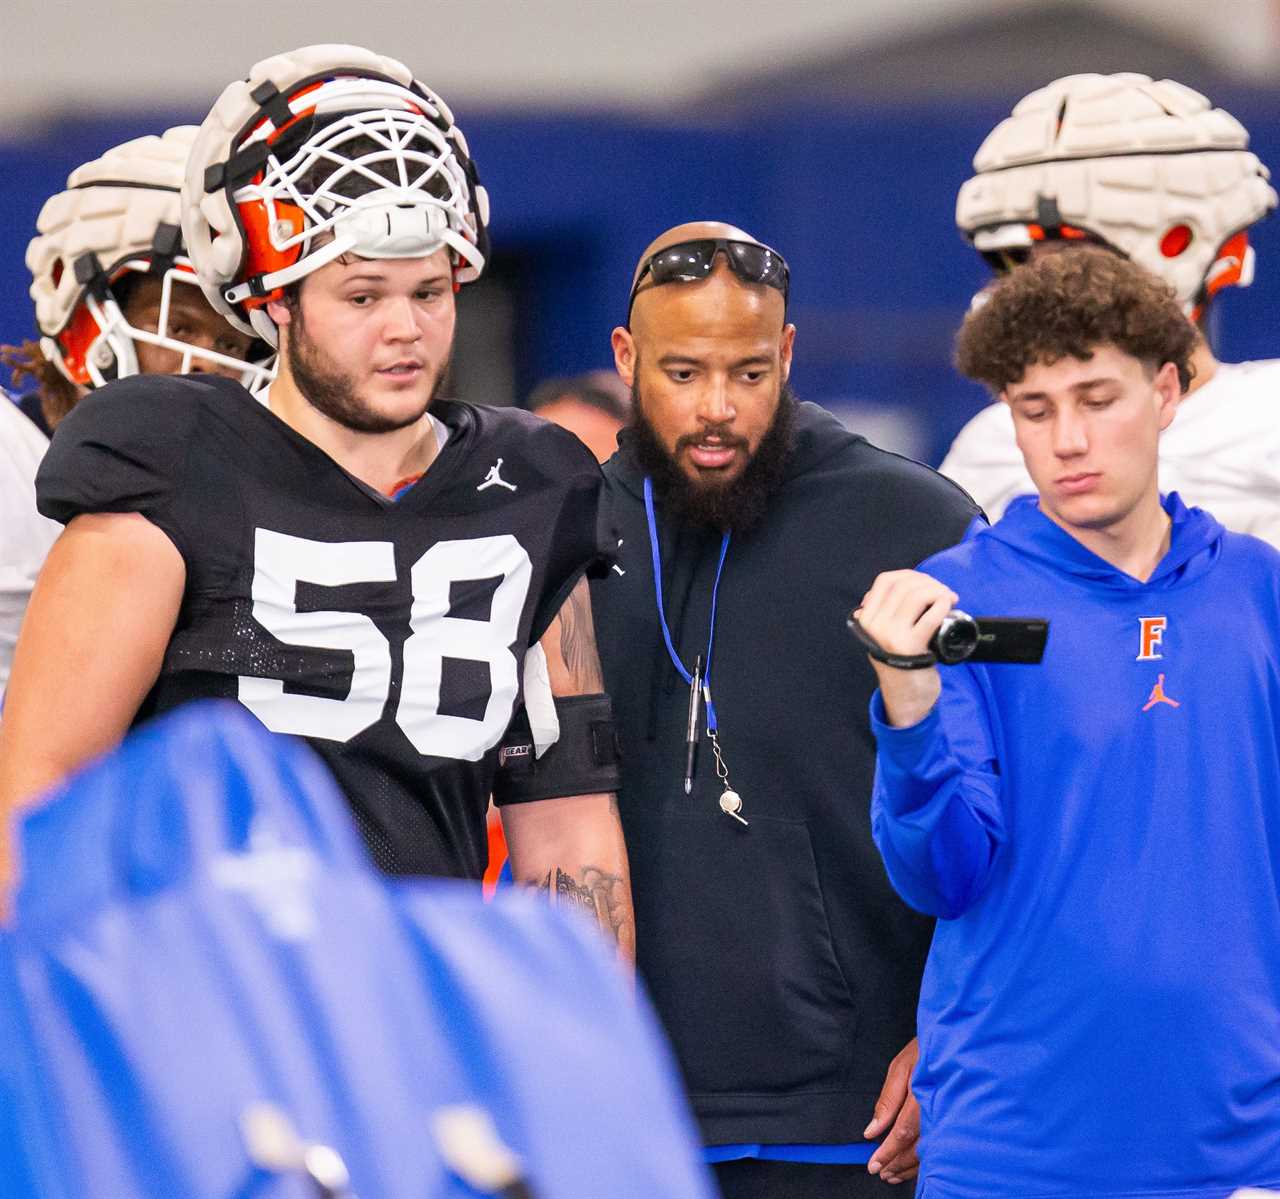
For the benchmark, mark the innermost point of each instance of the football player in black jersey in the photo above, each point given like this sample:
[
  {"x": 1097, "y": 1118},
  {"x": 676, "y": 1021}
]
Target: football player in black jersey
[{"x": 390, "y": 575}]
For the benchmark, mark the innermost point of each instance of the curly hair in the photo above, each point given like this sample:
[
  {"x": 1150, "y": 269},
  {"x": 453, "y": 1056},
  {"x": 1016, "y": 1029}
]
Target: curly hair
[
  {"x": 28, "y": 365},
  {"x": 1067, "y": 305}
]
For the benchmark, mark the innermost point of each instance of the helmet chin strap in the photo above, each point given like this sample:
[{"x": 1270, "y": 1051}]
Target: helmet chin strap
[
  {"x": 382, "y": 226},
  {"x": 1237, "y": 268},
  {"x": 1234, "y": 267}
]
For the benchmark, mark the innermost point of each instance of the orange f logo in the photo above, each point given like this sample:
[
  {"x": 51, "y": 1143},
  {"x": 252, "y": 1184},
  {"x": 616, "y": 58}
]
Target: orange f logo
[{"x": 1151, "y": 635}]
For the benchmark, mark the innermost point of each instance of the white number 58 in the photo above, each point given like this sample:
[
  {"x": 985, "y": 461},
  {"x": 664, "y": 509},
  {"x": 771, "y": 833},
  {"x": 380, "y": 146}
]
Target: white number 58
[{"x": 280, "y": 562}]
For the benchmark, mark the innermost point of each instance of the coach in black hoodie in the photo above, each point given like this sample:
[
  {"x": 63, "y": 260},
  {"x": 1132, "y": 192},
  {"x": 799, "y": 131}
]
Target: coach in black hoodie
[{"x": 782, "y": 963}]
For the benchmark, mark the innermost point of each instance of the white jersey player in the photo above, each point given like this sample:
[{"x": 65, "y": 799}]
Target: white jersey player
[
  {"x": 25, "y": 535},
  {"x": 1152, "y": 171},
  {"x": 115, "y": 295}
]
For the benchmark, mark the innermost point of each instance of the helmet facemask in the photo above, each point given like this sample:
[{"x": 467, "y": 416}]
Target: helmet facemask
[
  {"x": 321, "y": 153},
  {"x": 100, "y": 343},
  {"x": 379, "y": 184}
]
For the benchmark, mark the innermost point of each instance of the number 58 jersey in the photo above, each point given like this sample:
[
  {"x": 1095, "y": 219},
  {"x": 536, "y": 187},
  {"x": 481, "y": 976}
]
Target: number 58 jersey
[{"x": 390, "y": 634}]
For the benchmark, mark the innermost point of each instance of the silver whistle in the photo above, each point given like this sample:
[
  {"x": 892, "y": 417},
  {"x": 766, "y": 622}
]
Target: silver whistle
[{"x": 731, "y": 805}]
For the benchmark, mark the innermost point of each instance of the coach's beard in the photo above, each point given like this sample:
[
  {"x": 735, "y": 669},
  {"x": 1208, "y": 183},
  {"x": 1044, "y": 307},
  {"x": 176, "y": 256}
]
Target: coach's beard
[
  {"x": 333, "y": 392},
  {"x": 738, "y": 504}
]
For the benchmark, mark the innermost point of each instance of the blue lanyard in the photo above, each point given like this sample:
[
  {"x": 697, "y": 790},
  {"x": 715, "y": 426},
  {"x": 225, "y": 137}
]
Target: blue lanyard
[{"x": 662, "y": 616}]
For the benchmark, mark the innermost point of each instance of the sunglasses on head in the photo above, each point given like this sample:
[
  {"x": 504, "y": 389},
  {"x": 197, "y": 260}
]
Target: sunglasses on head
[{"x": 689, "y": 261}]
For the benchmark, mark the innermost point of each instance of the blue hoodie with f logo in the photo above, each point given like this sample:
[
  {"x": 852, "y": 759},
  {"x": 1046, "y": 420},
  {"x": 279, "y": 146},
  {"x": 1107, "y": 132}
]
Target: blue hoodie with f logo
[{"x": 1100, "y": 837}]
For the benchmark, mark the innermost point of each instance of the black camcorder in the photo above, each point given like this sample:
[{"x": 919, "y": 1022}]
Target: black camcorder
[{"x": 965, "y": 638}]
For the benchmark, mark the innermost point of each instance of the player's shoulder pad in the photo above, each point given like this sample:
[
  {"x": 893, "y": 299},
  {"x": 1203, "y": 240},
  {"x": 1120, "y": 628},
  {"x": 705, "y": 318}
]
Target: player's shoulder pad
[
  {"x": 996, "y": 417},
  {"x": 537, "y": 444},
  {"x": 121, "y": 448},
  {"x": 986, "y": 441}
]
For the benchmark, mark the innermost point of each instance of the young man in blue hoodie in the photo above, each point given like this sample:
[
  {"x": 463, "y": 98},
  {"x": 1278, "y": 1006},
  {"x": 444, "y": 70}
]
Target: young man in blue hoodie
[{"x": 1100, "y": 835}]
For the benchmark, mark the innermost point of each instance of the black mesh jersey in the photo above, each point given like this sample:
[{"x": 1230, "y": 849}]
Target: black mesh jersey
[{"x": 391, "y": 635}]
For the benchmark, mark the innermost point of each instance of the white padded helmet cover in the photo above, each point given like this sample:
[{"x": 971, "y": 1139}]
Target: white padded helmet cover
[
  {"x": 210, "y": 228},
  {"x": 1126, "y": 159},
  {"x": 115, "y": 223}
]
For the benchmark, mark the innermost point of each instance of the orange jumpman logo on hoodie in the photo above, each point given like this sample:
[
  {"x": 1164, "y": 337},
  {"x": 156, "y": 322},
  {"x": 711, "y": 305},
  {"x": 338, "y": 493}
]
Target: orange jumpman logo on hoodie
[{"x": 1158, "y": 696}]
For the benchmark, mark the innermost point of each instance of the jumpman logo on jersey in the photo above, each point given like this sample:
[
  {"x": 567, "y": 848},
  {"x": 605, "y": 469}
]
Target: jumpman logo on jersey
[
  {"x": 495, "y": 479},
  {"x": 1158, "y": 696}
]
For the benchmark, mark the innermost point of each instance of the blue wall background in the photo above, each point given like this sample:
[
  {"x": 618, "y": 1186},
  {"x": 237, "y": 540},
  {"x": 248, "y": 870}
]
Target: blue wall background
[{"x": 860, "y": 201}]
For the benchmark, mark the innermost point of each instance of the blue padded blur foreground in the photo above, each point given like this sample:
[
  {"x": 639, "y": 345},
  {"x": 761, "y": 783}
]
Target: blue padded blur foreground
[{"x": 199, "y": 931}]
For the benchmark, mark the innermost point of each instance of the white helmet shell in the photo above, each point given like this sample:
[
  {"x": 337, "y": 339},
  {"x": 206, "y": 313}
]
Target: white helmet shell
[
  {"x": 119, "y": 213},
  {"x": 1151, "y": 169},
  {"x": 326, "y": 140}
]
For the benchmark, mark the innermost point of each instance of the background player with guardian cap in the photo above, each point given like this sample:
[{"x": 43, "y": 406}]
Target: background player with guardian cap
[
  {"x": 1152, "y": 171},
  {"x": 335, "y": 553},
  {"x": 115, "y": 291},
  {"x": 115, "y": 296}
]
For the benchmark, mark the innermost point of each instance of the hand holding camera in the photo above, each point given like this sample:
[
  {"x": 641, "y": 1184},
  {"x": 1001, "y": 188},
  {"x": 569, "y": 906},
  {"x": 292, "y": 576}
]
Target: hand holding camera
[
  {"x": 908, "y": 624},
  {"x": 900, "y": 616}
]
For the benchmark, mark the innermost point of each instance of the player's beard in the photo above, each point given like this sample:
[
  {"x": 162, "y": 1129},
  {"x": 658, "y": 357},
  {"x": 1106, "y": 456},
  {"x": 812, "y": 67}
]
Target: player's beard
[
  {"x": 737, "y": 504},
  {"x": 335, "y": 393}
]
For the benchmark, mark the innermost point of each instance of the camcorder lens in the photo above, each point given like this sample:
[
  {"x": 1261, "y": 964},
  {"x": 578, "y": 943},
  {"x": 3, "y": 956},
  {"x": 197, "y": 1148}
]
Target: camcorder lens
[{"x": 956, "y": 639}]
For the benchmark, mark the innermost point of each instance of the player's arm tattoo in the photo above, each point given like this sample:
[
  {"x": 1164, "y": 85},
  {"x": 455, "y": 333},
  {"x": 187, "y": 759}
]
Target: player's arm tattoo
[
  {"x": 604, "y": 896},
  {"x": 577, "y": 642}
]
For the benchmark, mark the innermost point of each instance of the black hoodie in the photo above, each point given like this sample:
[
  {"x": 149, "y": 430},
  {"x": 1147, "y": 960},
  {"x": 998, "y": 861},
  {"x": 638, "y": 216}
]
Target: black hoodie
[{"x": 782, "y": 963}]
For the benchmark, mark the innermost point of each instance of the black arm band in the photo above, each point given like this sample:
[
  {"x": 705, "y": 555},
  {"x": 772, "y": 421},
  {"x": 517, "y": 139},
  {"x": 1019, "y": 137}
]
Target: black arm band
[{"x": 583, "y": 761}]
